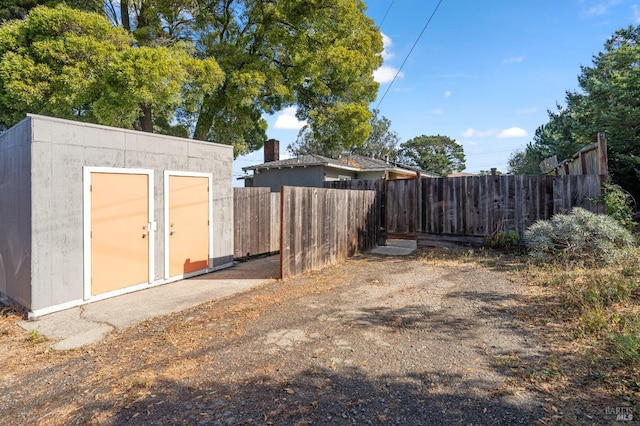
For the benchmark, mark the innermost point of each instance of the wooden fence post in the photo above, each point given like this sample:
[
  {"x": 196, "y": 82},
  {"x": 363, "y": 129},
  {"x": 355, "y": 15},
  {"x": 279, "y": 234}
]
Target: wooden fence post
[{"x": 603, "y": 161}]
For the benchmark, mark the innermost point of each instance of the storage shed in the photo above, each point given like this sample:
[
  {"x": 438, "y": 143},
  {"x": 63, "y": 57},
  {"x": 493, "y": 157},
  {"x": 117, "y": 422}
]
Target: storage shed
[{"x": 89, "y": 212}]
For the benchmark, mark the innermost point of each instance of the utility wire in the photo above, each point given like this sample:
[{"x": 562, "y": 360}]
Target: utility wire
[
  {"x": 410, "y": 51},
  {"x": 385, "y": 14}
]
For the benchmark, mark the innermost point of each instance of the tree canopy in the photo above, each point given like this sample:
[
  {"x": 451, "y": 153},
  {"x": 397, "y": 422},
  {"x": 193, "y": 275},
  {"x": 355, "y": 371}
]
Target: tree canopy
[
  {"x": 316, "y": 55},
  {"x": 18, "y": 9},
  {"x": 437, "y": 154},
  {"x": 608, "y": 101},
  {"x": 382, "y": 141},
  {"x": 73, "y": 64}
]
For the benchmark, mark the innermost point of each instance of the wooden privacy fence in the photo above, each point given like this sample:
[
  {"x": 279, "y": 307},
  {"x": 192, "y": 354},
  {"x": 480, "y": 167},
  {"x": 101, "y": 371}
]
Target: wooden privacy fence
[
  {"x": 321, "y": 226},
  {"x": 467, "y": 209},
  {"x": 481, "y": 206},
  {"x": 376, "y": 185},
  {"x": 256, "y": 217}
]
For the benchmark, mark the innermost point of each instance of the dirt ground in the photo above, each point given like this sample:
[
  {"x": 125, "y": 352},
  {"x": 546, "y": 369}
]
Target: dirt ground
[{"x": 374, "y": 340}]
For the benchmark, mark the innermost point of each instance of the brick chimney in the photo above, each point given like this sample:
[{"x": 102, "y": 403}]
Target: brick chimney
[{"x": 271, "y": 150}]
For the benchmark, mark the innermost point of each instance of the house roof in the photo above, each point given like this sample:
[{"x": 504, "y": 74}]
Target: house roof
[
  {"x": 460, "y": 174},
  {"x": 351, "y": 163},
  {"x": 300, "y": 161}
]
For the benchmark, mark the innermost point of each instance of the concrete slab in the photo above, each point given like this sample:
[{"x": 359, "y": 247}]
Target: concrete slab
[
  {"x": 87, "y": 324},
  {"x": 397, "y": 248}
]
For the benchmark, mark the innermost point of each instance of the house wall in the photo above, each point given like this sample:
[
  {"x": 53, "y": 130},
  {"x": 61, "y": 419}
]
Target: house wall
[
  {"x": 371, "y": 175},
  {"x": 338, "y": 174},
  {"x": 312, "y": 176},
  {"x": 15, "y": 213},
  {"x": 60, "y": 149}
]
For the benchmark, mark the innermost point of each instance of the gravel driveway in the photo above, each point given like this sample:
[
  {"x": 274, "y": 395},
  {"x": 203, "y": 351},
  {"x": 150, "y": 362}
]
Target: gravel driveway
[{"x": 375, "y": 340}]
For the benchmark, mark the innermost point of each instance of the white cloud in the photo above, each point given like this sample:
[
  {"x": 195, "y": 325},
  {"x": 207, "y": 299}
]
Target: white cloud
[
  {"x": 473, "y": 133},
  {"x": 598, "y": 7},
  {"x": 513, "y": 132},
  {"x": 636, "y": 13},
  {"x": 385, "y": 74},
  {"x": 437, "y": 111},
  {"x": 386, "y": 44},
  {"x": 513, "y": 60},
  {"x": 287, "y": 120},
  {"x": 447, "y": 93}
]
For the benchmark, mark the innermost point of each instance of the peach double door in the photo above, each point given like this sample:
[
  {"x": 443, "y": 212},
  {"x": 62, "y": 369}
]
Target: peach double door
[{"x": 120, "y": 228}]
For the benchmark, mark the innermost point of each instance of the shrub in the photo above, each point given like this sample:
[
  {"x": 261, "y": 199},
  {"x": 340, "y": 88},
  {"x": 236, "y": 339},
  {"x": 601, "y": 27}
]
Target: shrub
[
  {"x": 577, "y": 236},
  {"x": 620, "y": 204},
  {"x": 502, "y": 240}
]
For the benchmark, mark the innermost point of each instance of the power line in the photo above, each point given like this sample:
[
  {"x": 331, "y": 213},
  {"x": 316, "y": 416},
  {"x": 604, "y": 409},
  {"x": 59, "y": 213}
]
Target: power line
[
  {"x": 410, "y": 51},
  {"x": 385, "y": 14}
]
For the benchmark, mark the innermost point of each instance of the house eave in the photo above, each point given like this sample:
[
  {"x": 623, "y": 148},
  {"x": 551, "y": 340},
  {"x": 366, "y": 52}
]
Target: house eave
[{"x": 292, "y": 165}]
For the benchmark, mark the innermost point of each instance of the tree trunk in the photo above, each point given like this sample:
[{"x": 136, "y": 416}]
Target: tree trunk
[
  {"x": 146, "y": 120},
  {"x": 205, "y": 119},
  {"x": 124, "y": 13}
]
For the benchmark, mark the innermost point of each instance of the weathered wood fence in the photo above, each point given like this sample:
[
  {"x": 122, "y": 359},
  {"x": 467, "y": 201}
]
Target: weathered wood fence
[
  {"x": 313, "y": 227},
  {"x": 256, "y": 216},
  {"x": 322, "y": 226},
  {"x": 467, "y": 209},
  {"x": 379, "y": 187},
  {"x": 481, "y": 206},
  {"x": 590, "y": 160}
]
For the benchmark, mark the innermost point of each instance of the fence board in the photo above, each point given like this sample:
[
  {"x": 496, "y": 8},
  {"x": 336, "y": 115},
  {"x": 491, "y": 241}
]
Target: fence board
[
  {"x": 322, "y": 226},
  {"x": 274, "y": 234},
  {"x": 256, "y": 217},
  {"x": 378, "y": 213}
]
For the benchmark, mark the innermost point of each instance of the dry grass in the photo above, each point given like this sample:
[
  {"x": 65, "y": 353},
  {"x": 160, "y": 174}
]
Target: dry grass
[{"x": 589, "y": 317}]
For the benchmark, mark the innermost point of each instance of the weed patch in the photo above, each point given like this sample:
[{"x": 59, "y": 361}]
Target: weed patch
[{"x": 595, "y": 307}]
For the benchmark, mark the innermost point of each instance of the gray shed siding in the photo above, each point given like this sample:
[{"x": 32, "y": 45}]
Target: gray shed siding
[
  {"x": 59, "y": 151},
  {"x": 15, "y": 213}
]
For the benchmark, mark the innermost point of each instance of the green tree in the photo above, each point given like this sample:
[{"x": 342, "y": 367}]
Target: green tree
[
  {"x": 437, "y": 154},
  {"x": 72, "y": 64},
  {"x": 611, "y": 103},
  {"x": 526, "y": 161},
  {"x": 18, "y": 9},
  {"x": 317, "y": 55},
  {"x": 382, "y": 141},
  {"x": 553, "y": 138},
  {"x": 608, "y": 101}
]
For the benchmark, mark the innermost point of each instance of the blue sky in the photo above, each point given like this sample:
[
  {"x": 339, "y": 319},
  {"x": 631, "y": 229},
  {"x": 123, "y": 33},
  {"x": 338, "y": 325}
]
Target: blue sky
[{"x": 483, "y": 73}]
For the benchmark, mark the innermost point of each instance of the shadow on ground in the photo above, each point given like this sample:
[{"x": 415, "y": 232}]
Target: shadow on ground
[{"x": 319, "y": 396}]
